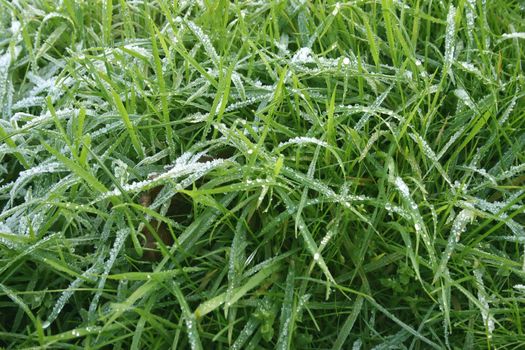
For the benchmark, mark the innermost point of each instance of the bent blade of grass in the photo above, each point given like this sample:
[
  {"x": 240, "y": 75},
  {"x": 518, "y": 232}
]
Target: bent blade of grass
[
  {"x": 5, "y": 137},
  {"x": 118, "y": 309},
  {"x": 212, "y": 304},
  {"x": 198, "y": 227},
  {"x": 12, "y": 295},
  {"x": 76, "y": 169},
  {"x": 28, "y": 250},
  {"x": 311, "y": 245},
  {"x": 144, "y": 276},
  {"x": 431, "y": 155},
  {"x": 79, "y": 332}
]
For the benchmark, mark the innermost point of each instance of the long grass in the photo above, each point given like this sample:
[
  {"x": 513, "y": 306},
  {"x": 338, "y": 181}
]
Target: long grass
[{"x": 325, "y": 175}]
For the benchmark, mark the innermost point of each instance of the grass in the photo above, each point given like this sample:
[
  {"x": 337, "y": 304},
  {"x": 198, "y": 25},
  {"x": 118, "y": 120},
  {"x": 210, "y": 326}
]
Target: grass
[{"x": 325, "y": 175}]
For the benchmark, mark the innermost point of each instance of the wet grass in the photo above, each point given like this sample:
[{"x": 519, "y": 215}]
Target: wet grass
[{"x": 262, "y": 174}]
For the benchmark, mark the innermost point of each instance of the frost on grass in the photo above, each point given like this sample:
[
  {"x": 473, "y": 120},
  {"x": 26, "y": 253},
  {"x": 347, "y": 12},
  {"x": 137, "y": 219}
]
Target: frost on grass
[
  {"x": 498, "y": 210},
  {"x": 321, "y": 59},
  {"x": 301, "y": 140},
  {"x": 286, "y": 319},
  {"x": 458, "y": 227},
  {"x": 483, "y": 298},
  {"x": 511, "y": 172},
  {"x": 303, "y": 55},
  {"x": 450, "y": 37},
  {"x": 426, "y": 147},
  {"x": 185, "y": 165},
  {"x": 191, "y": 327},
  {"x": 471, "y": 68},
  {"x": 205, "y": 41},
  {"x": 46, "y": 117},
  {"x": 66, "y": 295},
  {"x": 507, "y": 36},
  {"x": 236, "y": 259},
  {"x": 115, "y": 250},
  {"x": 27, "y": 175},
  {"x": 412, "y": 209},
  {"x": 483, "y": 173},
  {"x": 377, "y": 103},
  {"x": 464, "y": 97},
  {"x": 5, "y": 84},
  {"x": 508, "y": 110},
  {"x": 450, "y": 141},
  {"x": 520, "y": 287},
  {"x": 471, "y": 17}
]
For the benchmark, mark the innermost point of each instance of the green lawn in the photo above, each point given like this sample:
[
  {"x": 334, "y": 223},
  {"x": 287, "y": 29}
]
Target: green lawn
[{"x": 268, "y": 174}]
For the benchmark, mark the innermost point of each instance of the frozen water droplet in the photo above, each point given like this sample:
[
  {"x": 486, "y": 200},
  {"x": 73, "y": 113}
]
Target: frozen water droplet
[
  {"x": 250, "y": 151},
  {"x": 316, "y": 256},
  {"x": 346, "y": 61}
]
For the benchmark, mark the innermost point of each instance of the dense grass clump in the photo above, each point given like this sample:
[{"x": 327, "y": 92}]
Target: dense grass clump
[{"x": 262, "y": 174}]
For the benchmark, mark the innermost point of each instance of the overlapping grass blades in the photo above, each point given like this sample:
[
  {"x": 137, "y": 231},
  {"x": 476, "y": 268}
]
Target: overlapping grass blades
[{"x": 333, "y": 175}]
